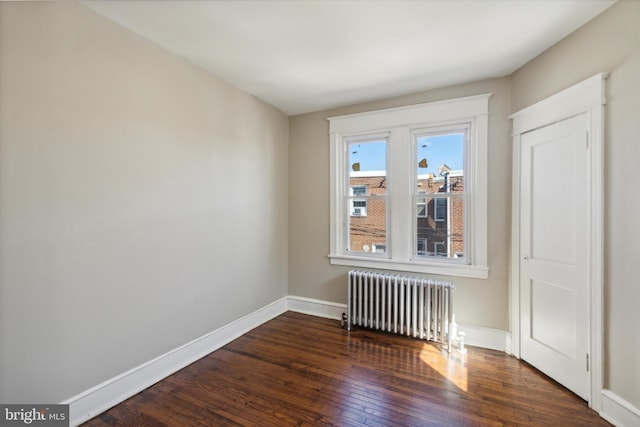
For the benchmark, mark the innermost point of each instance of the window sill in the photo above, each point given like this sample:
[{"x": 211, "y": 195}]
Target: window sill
[{"x": 445, "y": 269}]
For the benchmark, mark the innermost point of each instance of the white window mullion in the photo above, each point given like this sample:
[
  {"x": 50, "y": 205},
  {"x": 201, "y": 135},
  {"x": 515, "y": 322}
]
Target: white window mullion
[{"x": 400, "y": 198}]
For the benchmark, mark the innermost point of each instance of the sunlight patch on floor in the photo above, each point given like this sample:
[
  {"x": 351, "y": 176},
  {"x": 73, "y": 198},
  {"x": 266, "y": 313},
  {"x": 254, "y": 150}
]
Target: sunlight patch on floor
[{"x": 451, "y": 367}]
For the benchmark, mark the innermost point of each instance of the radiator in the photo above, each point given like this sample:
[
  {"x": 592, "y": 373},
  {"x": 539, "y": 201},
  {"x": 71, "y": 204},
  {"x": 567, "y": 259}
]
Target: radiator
[{"x": 414, "y": 306}]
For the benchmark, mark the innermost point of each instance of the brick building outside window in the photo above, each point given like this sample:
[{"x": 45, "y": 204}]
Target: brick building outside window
[{"x": 439, "y": 215}]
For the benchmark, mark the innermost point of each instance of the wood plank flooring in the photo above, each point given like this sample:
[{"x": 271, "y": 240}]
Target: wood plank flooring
[{"x": 300, "y": 370}]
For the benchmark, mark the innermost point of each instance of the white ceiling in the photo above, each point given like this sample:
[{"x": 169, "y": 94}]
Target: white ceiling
[{"x": 303, "y": 56}]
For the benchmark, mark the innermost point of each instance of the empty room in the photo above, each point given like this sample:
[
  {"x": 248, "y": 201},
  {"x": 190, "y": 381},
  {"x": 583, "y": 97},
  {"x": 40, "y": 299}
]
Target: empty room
[{"x": 321, "y": 213}]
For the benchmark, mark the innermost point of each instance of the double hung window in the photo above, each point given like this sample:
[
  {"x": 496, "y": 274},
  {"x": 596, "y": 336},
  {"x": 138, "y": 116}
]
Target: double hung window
[
  {"x": 366, "y": 194},
  {"x": 409, "y": 188}
]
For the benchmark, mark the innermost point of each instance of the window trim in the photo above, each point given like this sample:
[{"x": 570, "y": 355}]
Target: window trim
[{"x": 398, "y": 124}]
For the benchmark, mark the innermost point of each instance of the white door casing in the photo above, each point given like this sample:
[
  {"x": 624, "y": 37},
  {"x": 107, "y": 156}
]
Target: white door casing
[
  {"x": 586, "y": 97},
  {"x": 554, "y": 292}
]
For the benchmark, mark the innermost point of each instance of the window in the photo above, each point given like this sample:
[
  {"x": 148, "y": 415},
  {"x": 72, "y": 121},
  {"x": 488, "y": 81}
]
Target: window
[
  {"x": 359, "y": 206},
  {"x": 379, "y": 248},
  {"x": 365, "y": 179},
  {"x": 440, "y": 180},
  {"x": 439, "y": 248},
  {"x": 440, "y": 209},
  {"x": 421, "y": 205},
  {"x": 406, "y": 178},
  {"x": 421, "y": 248}
]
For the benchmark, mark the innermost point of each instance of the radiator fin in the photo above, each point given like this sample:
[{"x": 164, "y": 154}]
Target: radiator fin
[{"x": 408, "y": 305}]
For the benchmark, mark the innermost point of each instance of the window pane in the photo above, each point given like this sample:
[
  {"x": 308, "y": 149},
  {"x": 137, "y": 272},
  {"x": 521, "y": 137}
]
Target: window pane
[
  {"x": 439, "y": 155},
  {"x": 421, "y": 207},
  {"x": 422, "y": 246},
  {"x": 441, "y": 232},
  {"x": 359, "y": 190},
  {"x": 368, "y": 167},
  {"x": 368, "y": 233},
  {"x": 440, "y": 175},
  {"x": 367, "y": 196},
  {"x": 440, "y": 209}
]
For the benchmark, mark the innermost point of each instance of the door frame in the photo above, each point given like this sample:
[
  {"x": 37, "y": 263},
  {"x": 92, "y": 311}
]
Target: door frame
[{"x": 588, "y": 97}]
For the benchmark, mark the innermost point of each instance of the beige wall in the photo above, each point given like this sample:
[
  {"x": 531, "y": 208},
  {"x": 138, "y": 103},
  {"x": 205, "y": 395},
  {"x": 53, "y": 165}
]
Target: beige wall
[
  {"x": 479, "y": 302},
  {"x": 611, "y": 42},
  {"x": 135, "y": 191}
]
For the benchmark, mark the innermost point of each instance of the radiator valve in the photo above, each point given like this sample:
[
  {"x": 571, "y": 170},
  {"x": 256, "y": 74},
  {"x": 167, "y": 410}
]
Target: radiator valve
[{"x": 461, "y": 347}]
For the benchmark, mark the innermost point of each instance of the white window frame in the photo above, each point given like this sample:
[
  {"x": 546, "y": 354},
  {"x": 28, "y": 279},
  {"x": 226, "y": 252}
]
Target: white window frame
[
  {"x": 347, "y": 188},
  {"x": 400, "y": 124}
]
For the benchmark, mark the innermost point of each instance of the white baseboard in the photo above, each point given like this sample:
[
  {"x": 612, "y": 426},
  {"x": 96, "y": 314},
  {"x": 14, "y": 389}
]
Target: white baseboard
[
  {"x": 329, "y": 310},
  {"x": 480, "y": 336},
  {"x": 95, "y": 400},
  {"x": 618, "y": 411},
  {"x": 98, "y": 399},
  {"x": 101, "y": 397}
]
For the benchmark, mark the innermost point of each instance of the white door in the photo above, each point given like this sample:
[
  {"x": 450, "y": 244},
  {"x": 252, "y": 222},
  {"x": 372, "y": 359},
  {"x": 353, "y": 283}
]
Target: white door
[{"x": 554, "y": 288}]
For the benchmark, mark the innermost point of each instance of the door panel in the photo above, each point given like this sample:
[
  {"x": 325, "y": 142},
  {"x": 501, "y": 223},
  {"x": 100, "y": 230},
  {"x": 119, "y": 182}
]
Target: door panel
[
  {"x": 553, "y": 268},
  {"x": 552, "y": 175},
  {"x": 553, "y": 317}
]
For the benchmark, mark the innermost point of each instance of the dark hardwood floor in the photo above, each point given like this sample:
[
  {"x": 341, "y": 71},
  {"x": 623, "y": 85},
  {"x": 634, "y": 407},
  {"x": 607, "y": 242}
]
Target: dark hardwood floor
[{"x": 304, "y": 370}]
